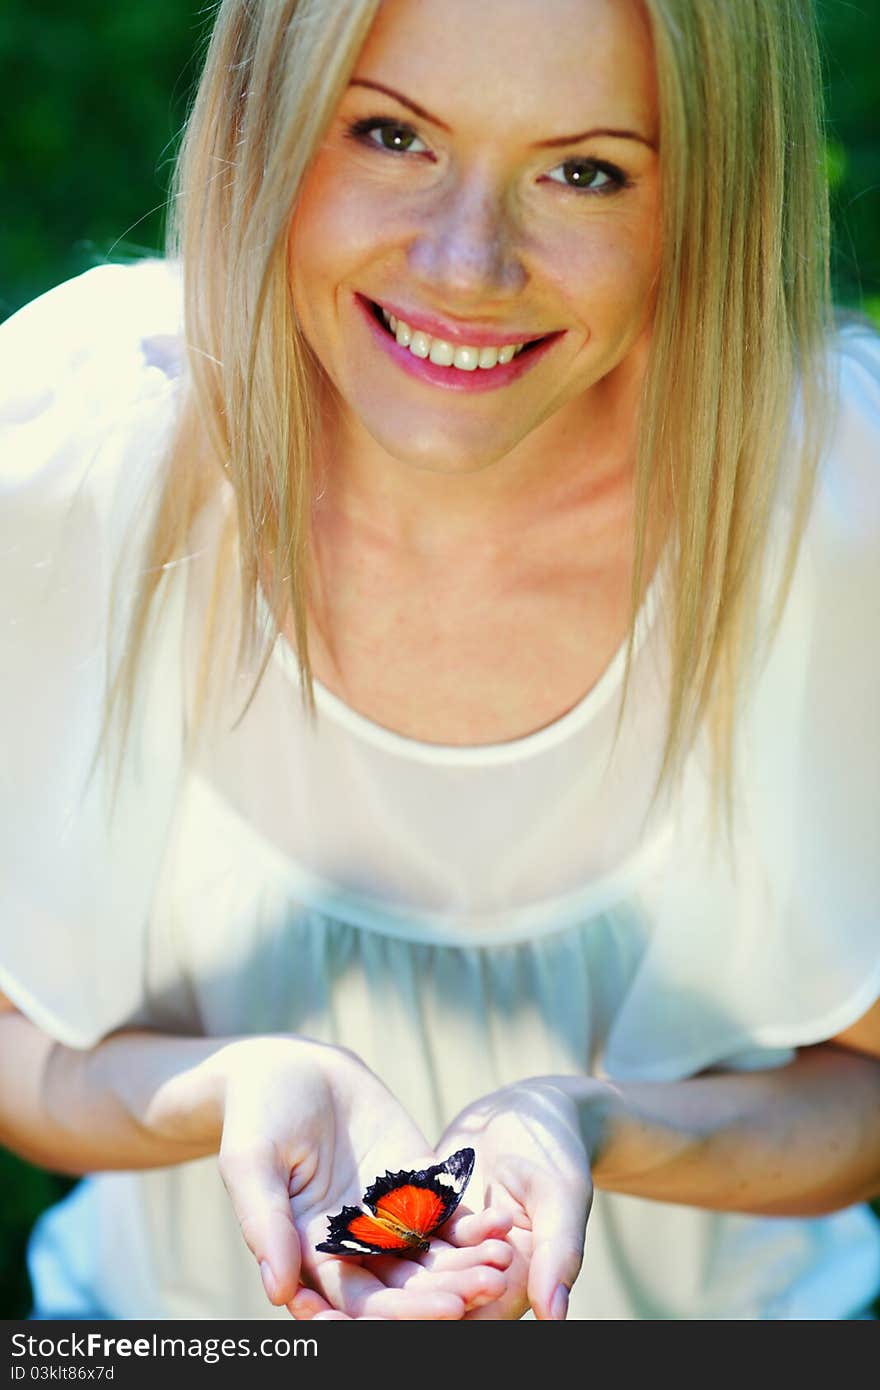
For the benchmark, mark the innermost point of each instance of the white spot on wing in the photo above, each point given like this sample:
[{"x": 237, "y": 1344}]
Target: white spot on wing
[
  {"x": 355, "y": 1245},
  {"x": 449, "y": 1181}
]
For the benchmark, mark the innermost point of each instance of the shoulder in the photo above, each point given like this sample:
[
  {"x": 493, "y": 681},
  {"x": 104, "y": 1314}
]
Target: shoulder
[
  {"x": 814, "y": 754},
  {"x": 831, "y": 605},
  {"x": 90, "y": 316},
  {"x": 74, "y": 361},
  {"x": 838, "y": 550},
  {"x": 855, "y": 347},
  {"x": 89, "y": 393},
  {"x": 848, "y": 485},
  {"x": 90, "y": 390}
]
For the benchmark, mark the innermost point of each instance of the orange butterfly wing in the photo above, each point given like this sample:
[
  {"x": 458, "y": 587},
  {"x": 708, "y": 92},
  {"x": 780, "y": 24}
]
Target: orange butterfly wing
[
  {"x": 401, "y": 1211},
  {"x": 377, "y": 1233},
  {"x": 417, "y": 1209}
]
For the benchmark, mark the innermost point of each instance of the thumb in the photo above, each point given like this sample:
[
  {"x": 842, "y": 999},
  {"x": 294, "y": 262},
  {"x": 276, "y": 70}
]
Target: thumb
[
  {"x": 558, "y": 1210},
  {"x": 257, "y": 1183}
]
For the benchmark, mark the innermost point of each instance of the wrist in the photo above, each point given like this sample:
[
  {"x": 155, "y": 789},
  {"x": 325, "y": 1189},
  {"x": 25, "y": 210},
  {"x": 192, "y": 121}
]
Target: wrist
[
  {"x": 189, "y": 1106},
  {"x": 175, "y": 1090},
  {"x": 201, "y": 1097},
  {"x": 135, "y": 1100},
  {"x": 598, "y": 1105},
  {"x": 600, "y": 1109}
]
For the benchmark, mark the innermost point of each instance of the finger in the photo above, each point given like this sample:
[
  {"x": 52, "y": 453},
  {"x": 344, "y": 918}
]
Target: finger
[
  {"x": 471, "y": 1228},
  {"x": 413, "y": 1305},
  {"x": 356, "y": 1290},
  {"x": 474, "y": 1284},
  {"x": 335, "y": 1316},
  {"x": 559, "y": 1213},
  {"x": 475, "y": 1287},
  {"x": 442, "y": 1256},
  {"x": 515, "y": 1300},
  {"x": 257, "y": 1184},
  {"x": 307, "y": 1304}
]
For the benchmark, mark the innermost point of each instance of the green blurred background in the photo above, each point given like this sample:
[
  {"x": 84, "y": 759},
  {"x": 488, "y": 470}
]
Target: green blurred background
[{"x": 95, "y": 94}]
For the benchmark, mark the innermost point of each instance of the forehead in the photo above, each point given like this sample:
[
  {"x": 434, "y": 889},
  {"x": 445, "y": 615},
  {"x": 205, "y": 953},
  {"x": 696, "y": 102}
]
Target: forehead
[{"x": 553, "y": 63}]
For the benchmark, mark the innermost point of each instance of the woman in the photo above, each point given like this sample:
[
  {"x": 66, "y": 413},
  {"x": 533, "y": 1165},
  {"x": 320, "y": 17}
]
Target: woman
[{"x": 495, "y": 318}]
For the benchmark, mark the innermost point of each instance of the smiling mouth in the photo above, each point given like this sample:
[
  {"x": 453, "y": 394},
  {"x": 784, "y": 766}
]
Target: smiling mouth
[{"x": 458, "y": 356}]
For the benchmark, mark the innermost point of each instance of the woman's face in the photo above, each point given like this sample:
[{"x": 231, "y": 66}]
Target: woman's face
[{"x": 490, "y": 179}]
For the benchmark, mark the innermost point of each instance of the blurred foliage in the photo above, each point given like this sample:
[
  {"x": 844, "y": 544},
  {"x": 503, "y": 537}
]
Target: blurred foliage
[
  {"x": 851, "y": 30},
  {"x": 95, "y": 94},
  {"x": 26, "y": 1191}
]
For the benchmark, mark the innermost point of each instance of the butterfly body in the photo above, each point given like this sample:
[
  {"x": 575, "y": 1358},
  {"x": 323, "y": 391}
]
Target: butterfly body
[{"x": 401, "y": 1211}]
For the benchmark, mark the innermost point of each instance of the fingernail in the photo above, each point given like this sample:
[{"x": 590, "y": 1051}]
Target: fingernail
[
  {"x": 559, "y": 1303},
  {"x": 269, "y": 1283}
]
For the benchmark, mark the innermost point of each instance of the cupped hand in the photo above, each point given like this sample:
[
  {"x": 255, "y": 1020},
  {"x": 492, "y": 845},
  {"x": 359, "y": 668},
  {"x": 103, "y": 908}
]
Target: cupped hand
[
  {"x": 306, "y": 1129},
  {"x": 479, "y": 1234},
  {"x": 532, "y": 1163}
]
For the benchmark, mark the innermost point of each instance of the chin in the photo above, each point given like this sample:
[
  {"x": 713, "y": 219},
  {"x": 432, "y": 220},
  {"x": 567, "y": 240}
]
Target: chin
[
  {"x": 432, "y": 454},
  {"x": 424, "y": 441}
]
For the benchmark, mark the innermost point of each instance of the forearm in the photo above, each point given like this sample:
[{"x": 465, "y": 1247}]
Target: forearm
[
  {"x": 137, "y": 1100},
  {"x": 800, "y": 1140}
]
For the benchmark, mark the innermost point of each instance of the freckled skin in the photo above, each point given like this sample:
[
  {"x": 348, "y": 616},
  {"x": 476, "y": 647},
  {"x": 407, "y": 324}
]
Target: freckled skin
[{"x": 475, "y": 229}]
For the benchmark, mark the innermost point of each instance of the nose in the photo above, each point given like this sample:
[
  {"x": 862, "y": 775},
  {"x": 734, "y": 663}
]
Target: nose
[{"x": 467, "y": 248}]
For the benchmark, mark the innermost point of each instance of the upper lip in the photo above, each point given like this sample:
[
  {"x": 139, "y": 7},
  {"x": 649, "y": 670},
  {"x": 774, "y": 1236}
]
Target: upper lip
[{"x": 469, "y": 334}]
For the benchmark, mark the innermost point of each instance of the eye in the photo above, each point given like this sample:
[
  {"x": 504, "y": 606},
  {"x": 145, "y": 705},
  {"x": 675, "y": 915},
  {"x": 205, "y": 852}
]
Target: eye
[
  {"x": 589, "y": 176},
  {"x": 394, "y": 136}
]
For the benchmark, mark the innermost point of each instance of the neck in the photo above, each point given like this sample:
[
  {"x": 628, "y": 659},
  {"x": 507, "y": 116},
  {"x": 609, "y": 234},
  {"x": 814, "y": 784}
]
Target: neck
[{"x": 581, "y": 459}]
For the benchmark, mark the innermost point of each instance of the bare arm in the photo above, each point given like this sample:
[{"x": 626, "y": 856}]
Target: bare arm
[
  {"x": 800, "y": 1140},
  {"x": 300, "y": 1128},
  {"x": 138, "y": 1100}
]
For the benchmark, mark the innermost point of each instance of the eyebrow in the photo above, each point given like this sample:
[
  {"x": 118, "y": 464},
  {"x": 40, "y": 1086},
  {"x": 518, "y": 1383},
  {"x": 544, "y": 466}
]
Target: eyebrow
[
  {"x": 588, "y": 134},
  {"x": 539, "y": 144},
  {"x": 398, "y": 96}
]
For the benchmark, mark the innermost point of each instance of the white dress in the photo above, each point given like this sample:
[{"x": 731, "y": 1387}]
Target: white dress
[{"x": 460, "y": 917}]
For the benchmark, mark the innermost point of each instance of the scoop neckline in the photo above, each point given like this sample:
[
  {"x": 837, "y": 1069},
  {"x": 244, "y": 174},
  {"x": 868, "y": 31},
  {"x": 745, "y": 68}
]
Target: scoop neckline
[{"x": 479, "y": 754}]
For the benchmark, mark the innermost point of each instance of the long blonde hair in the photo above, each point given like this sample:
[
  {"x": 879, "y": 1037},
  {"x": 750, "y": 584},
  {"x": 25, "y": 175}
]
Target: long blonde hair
[{"x": 741, "y": 319}]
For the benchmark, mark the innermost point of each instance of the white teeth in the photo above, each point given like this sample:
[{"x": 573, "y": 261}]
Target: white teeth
[
  {"x": 441, "y": 353},
  {"x": 466, "y": 359},
  {"x": 444, "y": 354}
]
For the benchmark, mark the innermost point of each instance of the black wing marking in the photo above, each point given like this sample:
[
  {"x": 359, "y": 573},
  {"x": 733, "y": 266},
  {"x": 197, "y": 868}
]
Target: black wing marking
[
  {"x": 448, "y": 1180},
  {"x": 340, "y": 1242}
]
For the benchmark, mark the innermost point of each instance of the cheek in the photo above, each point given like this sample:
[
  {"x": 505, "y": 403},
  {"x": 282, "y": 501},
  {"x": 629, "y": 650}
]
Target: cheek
[
  {"x": 339, "y": 226},
  {"x": 610, "y": 282}
]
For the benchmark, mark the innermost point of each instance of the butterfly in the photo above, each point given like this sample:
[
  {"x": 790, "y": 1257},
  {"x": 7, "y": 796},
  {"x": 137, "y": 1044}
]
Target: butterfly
[{"x": 401, "y": 1211}]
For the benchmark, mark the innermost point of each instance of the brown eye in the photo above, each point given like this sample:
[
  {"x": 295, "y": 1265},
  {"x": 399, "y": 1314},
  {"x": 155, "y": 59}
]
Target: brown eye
[
  {"x": 589, "y": 175},
  {"x": 393, "y": 136}
]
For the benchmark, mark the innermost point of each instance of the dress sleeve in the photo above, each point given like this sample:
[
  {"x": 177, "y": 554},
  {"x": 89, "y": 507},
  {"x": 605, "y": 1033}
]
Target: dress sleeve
[
  {"x": 88, "y": 385},
  {"x": 779, "y": 946}
]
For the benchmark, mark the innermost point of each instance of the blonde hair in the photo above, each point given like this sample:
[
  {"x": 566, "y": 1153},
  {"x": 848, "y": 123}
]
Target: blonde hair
[{"x": 741, "y": 319}]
